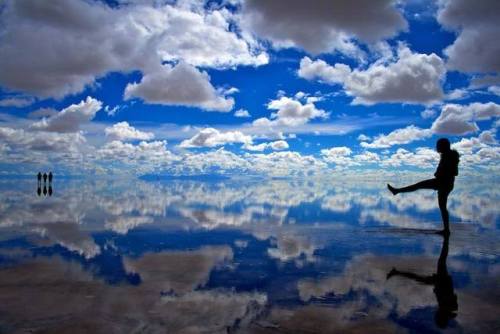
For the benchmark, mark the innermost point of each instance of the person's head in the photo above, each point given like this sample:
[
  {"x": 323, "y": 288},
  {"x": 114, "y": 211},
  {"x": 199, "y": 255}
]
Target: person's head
[{"x": 442, "y": 145}]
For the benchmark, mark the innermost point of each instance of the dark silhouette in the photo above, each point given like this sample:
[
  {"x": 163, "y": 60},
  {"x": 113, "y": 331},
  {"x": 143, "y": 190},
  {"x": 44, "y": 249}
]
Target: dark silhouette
[
  {"x": 44, "y": 190},
  {"x": 50, "y": 177},
  {"x": 443, "y": 181},
  {"x": 44, "y": 177},
  {"x": 39, "y": 190},
  {"x": 443, "y": 287},
  {"x": 50, "y": 190},
  {"x": 39, "y": 177}
]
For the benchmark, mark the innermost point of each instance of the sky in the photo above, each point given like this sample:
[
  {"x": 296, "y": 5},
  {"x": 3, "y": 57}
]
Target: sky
[{"x": 247, "y": 87}]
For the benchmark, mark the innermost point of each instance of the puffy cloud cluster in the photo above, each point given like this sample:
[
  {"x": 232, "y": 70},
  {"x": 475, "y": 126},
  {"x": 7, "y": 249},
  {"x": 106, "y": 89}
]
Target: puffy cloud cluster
[
  {"x": 322, "y": 25},
  {"x": 455, "y": 119},
  {"x": 423, "y": 157},
  {"x": 398, "y": 137},
  {"x": 337, "y": 155},
  {"x": 475, "y": 49},
  {"x": 210, "y": 137},
  {"x": 182, "y": 85},
  {"x": 123, "y": 131},
  {"x": 277, "y": 145},
  {"x": 411, "y": 78},
  {"x": 71, "y": 118},
  {"x": 291, "y": 111},
  {"x": 56, "y": 48},
  {"x": 459, "y": 119}
]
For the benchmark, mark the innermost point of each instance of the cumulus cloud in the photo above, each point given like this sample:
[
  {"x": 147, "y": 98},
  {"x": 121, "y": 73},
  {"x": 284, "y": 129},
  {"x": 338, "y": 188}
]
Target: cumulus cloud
[
  {"x": 398, "y": 137},
  {"x": 21, "y": 141},
  {"x": 277, "y": 145},
  {"x": 143, "y": 157},
  {"x": 16, "y": 102},
  {"x": 71, "y": 118},
  {"x": 337, "y": 155},
  {"x": 242, "y": 113},
  {"x": 51, "y": 49},
  {"x": 423, "y": 157},
  {"x": 123, "y": 131},
  {"x": 323, "y": 25},
  {"x": 411, "y": 78},
  {"x": 474, "y": 49},
  {"x": 294, "y": 111},
  {"x": 458, "y": 119},
  {"x": 182, "y": 85},
  {"x": 210, "y": 137}
]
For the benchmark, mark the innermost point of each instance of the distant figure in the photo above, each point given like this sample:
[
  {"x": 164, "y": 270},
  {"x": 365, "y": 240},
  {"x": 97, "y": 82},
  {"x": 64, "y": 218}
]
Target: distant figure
[
  {"x": 443, "y": 287},
  {"x": 50, "y": 177},
  {"x": 50, "y": 190},
  {"x": 443, "y": 181},
  {"x": 44, "y": 177},
  {"x": 39, "y": 177}
]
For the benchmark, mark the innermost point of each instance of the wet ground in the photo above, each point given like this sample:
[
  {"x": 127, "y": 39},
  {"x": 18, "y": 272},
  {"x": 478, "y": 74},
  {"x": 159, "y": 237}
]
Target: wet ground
[{"x": 277, "y": 256}]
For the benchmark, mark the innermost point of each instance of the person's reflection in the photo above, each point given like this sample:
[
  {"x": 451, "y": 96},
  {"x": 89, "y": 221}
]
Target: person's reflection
[
  {"x": 39, "y": 191},
  {"x": 443, "y": 287},
  {"x": 50, "y": 190},
  {"x": 44, "y": 190}
]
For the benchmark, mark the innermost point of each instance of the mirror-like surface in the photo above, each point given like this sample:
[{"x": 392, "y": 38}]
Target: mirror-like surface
[{"x": 258, "y": 256}]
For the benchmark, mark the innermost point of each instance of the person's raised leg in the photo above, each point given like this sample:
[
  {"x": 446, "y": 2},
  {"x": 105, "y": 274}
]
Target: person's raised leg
[{"x": 426, "y": 184}]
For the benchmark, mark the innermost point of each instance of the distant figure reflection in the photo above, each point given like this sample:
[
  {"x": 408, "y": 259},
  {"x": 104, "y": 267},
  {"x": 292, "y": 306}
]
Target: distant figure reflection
[
  {"x": 443, "y": 181},
  {"x": 39, "y": 184},
  {"x": 443, "y": 287}
]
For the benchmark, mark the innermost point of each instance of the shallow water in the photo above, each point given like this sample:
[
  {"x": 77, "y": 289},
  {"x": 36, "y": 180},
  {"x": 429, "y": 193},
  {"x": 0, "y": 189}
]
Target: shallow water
[{"x": 249, "y": 257}]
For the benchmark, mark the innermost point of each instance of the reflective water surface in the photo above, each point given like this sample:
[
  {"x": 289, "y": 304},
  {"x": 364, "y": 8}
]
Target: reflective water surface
[{"x": 261, "y": 256}]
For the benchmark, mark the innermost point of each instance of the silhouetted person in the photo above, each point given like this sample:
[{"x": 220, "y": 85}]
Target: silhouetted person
[
  {"x": 39, "y": 177},
  {"x": 443, "y": 287},
  {"x": 44, "y": 190},
  {"x": 44, "y": 177},
  {"x": 39, "y": 190},
  {"x": 442, "y": 182},
  {"x": 50, "y": 177},
  {"x": 50, "y": 190}
]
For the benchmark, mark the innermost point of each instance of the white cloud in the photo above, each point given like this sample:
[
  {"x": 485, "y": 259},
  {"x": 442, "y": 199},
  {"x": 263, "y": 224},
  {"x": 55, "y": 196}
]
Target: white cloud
[
  {"x": 339, "y": 156},
  {"x": 423, "y": 157},
  {"x": 475, "y": 49},
  {"x": 458, "y": 119},
  {"x": 322, "y": 25},
  {"x": 412, "y": 78},
  {"x": 428, "y": 113},
  {"x": 21, "y": 141},
  {"x": 210, "y": 137},
  {"x": 398, "y": 137},
  {"x": 123, "y": 131},
  {"x": 16, "y": 102},
  {"x": 70, "y": 118},
  {"x": 241, "y": 113},
  {"x": 277, "y": 145},
  {"x": 290, "y": 112},
  {"x": 56, "y": 48},
  {"x": 182, "y": 85},
  {"x": 363, "y": 137},
  {"x": 494, "y": 90}
]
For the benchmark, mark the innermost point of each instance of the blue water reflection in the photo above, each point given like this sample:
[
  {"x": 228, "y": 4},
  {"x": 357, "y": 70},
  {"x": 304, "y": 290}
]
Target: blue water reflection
[{"x": 242, "y": 256}]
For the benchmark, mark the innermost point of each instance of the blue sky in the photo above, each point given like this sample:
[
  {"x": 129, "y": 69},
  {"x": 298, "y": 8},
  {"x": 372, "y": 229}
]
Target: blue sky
[{"x": 254, "y": 87}]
